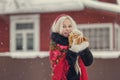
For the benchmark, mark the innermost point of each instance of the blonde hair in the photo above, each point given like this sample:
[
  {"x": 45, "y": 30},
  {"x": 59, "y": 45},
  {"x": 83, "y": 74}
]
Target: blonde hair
[{"x": 57, "y": 26}]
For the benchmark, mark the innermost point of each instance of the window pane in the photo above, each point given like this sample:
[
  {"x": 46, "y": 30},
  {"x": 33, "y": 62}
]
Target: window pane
[
  {"x": 30, "y": 41},
  {"x": 19, "y": 42},
  {"x": 98, "y": 37},
  {"x": 22, "y": 26}
]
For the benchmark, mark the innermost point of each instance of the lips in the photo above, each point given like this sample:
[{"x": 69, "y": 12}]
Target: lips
[{"x": 66, "y": 34}]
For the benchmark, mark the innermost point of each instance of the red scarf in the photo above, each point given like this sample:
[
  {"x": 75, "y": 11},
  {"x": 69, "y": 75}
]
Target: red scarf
[
  {"x": 60, "y": 65},
  {"x": 84, "y": 75},
  {"x": 58, "y": 59}
]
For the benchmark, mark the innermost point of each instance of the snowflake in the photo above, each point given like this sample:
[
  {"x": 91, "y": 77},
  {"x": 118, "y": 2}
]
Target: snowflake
[
  {"x": 103, "y": 17},
  {"x": 1, "y": 43}
]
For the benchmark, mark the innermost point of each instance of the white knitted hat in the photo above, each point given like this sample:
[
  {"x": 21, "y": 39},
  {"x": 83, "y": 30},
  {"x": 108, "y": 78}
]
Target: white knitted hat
[{"x": 57, "y": 26}]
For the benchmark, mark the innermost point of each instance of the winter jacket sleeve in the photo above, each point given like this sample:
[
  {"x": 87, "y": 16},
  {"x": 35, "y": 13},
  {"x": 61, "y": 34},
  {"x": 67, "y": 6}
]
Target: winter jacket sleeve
[{"x": 86, "y": 56}]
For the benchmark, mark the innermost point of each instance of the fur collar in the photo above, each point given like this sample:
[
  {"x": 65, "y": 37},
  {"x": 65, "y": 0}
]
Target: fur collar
[{"x": 59, "y": 39}]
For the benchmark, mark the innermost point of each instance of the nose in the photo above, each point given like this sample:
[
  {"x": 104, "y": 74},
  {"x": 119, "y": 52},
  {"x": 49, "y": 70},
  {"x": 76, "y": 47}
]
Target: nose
[{"x": 67, "y": 28}]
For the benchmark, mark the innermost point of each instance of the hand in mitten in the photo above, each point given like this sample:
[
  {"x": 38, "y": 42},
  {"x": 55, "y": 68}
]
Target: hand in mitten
[
  {"x": 77, "y": 42},
  {"x": 74, "y": 35},
  {"x": 79, "y": 47}
]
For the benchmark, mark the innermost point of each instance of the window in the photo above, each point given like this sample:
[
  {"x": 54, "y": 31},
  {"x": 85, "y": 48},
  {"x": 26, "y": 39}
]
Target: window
[
  {"x": 101, "y": 36},
  {"x": 24, "y": 26},
  {"x": 19, "y": 42},
  {"x": 24, "y": 33},
  {"x": 30, "y": 42}
]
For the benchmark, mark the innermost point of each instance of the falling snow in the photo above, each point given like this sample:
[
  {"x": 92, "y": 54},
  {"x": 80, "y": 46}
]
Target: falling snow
[
  {"x": 6, "y": 28},
  {"x": 42, "y": 63},
  {"x": 1, "y": 43},
  {"x": 4, "y": 70},
  {"x": 23, "y": 73},
  {"x": 103, "y": 17}
]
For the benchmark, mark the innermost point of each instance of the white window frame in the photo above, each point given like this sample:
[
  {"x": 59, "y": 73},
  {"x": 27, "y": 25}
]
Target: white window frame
[
  {"x": 101, "y": 25},
  {"x": 25, "y": 19},
  {"x": 117, "y": 35}
]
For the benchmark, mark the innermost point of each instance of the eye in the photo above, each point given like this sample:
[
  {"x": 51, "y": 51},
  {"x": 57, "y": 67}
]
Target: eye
[
  {"x": 64, "y": 26},
  {"x": 70, "y": 26}
]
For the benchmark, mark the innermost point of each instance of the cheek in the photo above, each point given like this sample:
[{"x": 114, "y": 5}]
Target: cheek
[
  {"x": 70, "y": 29},
  {"x": 63, "y": 31}
]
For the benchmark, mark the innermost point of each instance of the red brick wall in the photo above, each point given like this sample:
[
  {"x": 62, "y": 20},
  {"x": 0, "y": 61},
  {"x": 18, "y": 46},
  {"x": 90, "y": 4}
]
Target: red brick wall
[
  {"x": 4, "y": 33},
  {"x": 109, "y": 1}
]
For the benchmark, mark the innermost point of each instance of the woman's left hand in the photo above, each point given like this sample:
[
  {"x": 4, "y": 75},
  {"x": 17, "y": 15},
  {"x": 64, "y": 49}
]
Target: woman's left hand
[{"x": 79, "y": 47}]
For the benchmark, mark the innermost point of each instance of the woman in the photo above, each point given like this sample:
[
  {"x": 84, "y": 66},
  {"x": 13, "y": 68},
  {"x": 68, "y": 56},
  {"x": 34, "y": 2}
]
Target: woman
[{"x": 68, "y": 63}]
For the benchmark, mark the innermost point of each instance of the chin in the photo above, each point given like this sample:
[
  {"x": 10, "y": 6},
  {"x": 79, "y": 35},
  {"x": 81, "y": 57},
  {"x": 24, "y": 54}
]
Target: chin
[{"x": 65, "y": 35}]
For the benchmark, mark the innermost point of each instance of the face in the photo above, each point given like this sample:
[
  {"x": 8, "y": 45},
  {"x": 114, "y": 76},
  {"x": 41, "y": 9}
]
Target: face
[{"x": 67, "y": 27}]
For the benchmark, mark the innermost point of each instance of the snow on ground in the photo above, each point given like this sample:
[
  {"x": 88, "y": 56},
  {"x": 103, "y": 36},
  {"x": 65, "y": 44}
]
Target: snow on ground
[
  {"x": 24, "y": 55},
  {"x": 106, "y": 54}
]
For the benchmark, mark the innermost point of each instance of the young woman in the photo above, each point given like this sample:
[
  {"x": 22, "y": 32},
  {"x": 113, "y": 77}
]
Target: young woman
[{"x": 68, "y": 63}]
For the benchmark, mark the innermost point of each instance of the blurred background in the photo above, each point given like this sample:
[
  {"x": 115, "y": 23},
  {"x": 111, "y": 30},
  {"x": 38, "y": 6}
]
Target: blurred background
[{"x": 25, "y": 35}]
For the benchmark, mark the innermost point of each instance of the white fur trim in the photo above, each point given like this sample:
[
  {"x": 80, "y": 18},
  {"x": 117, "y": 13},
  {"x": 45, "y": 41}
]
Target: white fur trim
[{"x": 80, "y": 47}]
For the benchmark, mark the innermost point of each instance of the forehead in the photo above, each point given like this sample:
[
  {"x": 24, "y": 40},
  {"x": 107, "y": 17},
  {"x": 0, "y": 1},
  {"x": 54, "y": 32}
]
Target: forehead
[{"x": 67, "y": 21}]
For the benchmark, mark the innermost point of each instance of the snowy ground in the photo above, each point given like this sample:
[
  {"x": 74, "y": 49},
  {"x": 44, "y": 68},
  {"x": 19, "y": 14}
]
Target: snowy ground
[{"x": 23, "y": 55}]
